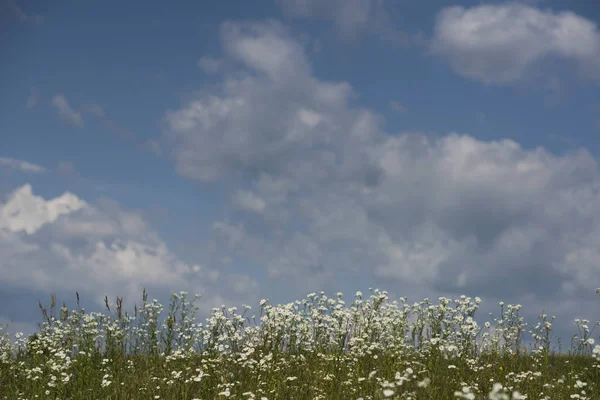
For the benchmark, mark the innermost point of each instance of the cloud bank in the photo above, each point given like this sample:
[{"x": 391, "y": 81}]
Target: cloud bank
[{"x": 327, "y": 193}]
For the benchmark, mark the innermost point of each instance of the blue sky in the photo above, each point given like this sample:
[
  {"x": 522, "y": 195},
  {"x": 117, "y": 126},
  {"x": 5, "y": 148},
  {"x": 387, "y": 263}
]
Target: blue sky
[{"x": 270, "y": 149}]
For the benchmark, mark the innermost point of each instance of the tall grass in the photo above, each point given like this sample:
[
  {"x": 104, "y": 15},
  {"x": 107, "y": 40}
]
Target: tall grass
[{"x": 311, "y": 349}]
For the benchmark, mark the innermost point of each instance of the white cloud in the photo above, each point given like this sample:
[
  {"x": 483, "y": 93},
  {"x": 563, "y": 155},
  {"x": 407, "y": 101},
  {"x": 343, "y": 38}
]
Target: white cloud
[
  {"x": 95, "y": 249},
  {"x": 501, "y": 43},
  {"x": 249, "y": 201},
  {"x": 300, "y": 253},
  {"x": 264, "y": 48},
  {"x": 66, "y": 113},
  {"x": 344, "y": 198},
  {"x": 221, "y": 133},
  {"x": 429, "y": 248},
  {"x": 309, "y": 117},
  {"x": 25, "y": 212},
  {"x": 21, "y": 165}
]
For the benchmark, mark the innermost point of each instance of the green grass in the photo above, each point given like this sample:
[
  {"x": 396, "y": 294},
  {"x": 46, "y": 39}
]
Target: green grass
[{"x": 311, "y": 349}]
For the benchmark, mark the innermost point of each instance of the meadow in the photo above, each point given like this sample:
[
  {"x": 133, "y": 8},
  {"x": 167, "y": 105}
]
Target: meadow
[{"x": 312, "y": 349}]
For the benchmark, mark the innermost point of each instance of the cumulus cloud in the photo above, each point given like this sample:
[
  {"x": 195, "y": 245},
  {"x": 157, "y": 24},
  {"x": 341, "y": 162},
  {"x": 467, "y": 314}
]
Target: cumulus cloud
[
  {"x": 65, "y": 112},
  {"x": 95, "y": 249},
  {"x": 324, "y": 192},
  {"x": 351, "y": 17},
  {"x": 500, "y": 44},
  {"x": 25, "y": 212},
  {"x": 25, "y": 166},
  {"x": 249, "y": 201}
]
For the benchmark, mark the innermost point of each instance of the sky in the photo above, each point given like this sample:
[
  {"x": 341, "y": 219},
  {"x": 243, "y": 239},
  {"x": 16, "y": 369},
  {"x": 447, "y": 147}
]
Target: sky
[{"x": 275, "y": 148}]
